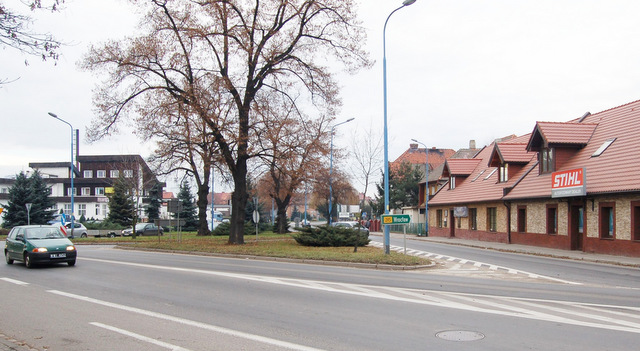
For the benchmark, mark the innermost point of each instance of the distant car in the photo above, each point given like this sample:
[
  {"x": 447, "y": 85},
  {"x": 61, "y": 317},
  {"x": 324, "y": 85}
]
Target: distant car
[
  {"x": 79, "y": 230},
  {"x": 34, "y": 244},
  {"x": 352, "y": 225},
  {"x": 144, "y": 229}
]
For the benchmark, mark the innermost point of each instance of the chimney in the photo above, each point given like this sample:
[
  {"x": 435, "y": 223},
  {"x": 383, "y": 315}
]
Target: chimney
[
  {"x": 472, "y": 144},
  {"x": 413, "y": 146}
]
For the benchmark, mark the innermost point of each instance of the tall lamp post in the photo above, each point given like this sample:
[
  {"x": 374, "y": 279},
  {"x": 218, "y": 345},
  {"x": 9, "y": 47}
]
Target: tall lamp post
[
  {"x": 71, "y": 168},
  {"x": 426, "y": 188},
  {"x": 331, "y": 167},
  {"x": 386, "y": 139}
]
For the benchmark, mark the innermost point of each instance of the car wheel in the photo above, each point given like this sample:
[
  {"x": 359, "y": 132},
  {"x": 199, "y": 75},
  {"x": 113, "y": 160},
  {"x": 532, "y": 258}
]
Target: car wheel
[
  {"x": 72, "y": 263},
  {"x": 83, "y": 235},
  {"x": 27, "y": 260},
  {"x": 6, "y": 257},
  {"x": 111, "y": 235}
]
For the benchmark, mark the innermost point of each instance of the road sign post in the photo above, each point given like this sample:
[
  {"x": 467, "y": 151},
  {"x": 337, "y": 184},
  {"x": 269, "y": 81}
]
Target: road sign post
[{"x": 403, "y": 219}]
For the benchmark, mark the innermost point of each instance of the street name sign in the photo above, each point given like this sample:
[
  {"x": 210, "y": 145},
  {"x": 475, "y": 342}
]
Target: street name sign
[{"x": 396, "y": 219}]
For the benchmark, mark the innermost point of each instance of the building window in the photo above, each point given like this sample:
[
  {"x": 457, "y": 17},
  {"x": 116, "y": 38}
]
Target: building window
[
  {"x": 128, "y": 173},
  {"x": 85, "y": 191},
  {"x": 100, "y": 191},
  {"x": 552, "y": 219},
  {"x": 444, "y": 218},
  {"x": 75, "y": 191},
  {"x": 452, "y": 182},
  {"x": 635, "y": 220},
  {"x": 101, "y": 173},
  {"x": 607, "y": 220},
  {"x": 492, "y": 219},
  {"x": 67, "y": 209},
  {"x": 522, "y": 219},
  {"x": 473, "y": 218},
  {"x": 504, "y": 173},
  {"x": 114, "y": 173},
  {"x": 82, "y": 210},
  {"x": 439, "y": 218},
  {"x": 97, "y": 209},
  {"x": 547, "y": 160},
  {"x": 88, "y": 173}
]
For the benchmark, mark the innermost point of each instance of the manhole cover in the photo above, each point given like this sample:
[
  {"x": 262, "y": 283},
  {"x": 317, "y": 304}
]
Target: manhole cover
[{"x": 460, "y": 335}]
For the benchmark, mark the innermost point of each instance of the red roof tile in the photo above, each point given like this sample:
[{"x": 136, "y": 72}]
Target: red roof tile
[
  {"x": 568, "y": 133},
  {"x": 616, "y": 170},
  {"x": 461, "y": 166}
]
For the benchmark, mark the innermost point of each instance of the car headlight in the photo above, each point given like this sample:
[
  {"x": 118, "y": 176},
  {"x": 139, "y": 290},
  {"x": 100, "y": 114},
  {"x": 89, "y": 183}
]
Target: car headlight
[
  {"x": 40, "y": 249},
  {"x": 71, "y": 248}
]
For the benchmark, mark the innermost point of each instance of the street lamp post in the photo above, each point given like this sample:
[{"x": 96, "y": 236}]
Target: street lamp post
[
  {"x": 331, "y": 166},
  {"x": 72, "y": 168},
  {"x": 386, "y": 139},
  {"x": 426, "y": 188}
]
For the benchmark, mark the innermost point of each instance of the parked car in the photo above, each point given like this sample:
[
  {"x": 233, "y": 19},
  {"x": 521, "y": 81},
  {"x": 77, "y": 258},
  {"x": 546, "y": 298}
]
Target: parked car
[
  {"x": 352, "y": 225},
  {"x": 144, "y": 229},
  {"x": 33, "y": 244},
  {"x": 79, "y": 230}
]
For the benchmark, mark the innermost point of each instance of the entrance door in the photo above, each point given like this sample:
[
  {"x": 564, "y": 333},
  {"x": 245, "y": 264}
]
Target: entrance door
[
  {"x": 452, "y": 226},
  {"x": 576, "y": 227}
]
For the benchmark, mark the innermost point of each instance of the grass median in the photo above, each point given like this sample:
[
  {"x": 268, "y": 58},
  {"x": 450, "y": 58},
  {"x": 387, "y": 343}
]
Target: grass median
[{"x": 266, "y": 245}]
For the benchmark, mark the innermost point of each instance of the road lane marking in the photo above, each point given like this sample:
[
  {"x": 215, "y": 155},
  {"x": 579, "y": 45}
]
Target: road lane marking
[
  {"x": 480, "y": 264},
  {"x": 13, "y": 281},
  {"x": 498, "y": 305},
  {"x": 140, "y": 337},
  {"x": 187, "y": 322}
]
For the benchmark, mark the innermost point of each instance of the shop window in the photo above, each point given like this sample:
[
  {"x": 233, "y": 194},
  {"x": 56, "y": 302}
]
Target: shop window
[
  {"x": 473, "y": 218},
  {"x": 552, "y": 219},
  {"x": 492, "y": 219},
  {"x": 522, "y": 219},
  {"x": 607, "y": 220}
]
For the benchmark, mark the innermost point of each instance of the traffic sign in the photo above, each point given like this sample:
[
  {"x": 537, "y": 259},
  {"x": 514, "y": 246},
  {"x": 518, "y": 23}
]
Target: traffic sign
[{"x": 396, "y": 219}]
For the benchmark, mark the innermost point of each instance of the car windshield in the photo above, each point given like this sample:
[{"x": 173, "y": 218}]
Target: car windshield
[
  {"x": 43, "y": 233},
  {"x": 140, "y": 226}
]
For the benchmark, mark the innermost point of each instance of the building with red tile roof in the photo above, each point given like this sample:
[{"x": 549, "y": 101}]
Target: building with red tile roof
[{"x": 571, "y": 185}]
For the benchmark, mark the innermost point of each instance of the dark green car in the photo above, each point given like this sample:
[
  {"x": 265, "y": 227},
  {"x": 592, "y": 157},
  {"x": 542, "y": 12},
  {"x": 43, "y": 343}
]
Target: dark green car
[{"x": 34, "y": 244}]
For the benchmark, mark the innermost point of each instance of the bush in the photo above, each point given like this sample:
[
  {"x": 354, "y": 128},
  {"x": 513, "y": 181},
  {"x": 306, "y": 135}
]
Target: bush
[
  {"x": 331, "y": 236},
  {"x": 4, "y": 231},
  {"x": 224, "y": 228}
]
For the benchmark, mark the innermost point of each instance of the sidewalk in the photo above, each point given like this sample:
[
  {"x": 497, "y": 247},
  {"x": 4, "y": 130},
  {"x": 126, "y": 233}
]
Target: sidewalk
[{"x": 525, "y": 249}]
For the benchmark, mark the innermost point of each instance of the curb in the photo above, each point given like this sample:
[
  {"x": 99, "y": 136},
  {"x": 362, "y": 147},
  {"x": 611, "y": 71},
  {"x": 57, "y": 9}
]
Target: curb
[{"x": 286, "y": 260}]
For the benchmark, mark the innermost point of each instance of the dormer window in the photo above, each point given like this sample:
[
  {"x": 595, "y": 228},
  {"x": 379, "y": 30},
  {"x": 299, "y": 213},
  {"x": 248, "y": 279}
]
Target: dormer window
[
  {"x": 452, "y": 182},
  {"x": 504, "y": 173},
  {"x": 547, "y": 160}
]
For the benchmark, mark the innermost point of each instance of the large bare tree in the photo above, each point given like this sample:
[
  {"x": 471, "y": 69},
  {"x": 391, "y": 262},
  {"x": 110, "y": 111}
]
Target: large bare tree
[
  {"x": 193, "y": 49},
  {"x": 366, "y": 147},
  {"x": 295, "y": 149}
]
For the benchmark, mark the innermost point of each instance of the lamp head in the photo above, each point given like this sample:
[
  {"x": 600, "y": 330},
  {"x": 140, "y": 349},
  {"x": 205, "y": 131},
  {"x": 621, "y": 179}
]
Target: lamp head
[
  {"x": 408, "y": 2},
  {"x": 53, "y": 115}
]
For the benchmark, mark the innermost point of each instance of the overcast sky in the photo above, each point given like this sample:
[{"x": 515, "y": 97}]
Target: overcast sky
[{"x": 457, "y": 70}]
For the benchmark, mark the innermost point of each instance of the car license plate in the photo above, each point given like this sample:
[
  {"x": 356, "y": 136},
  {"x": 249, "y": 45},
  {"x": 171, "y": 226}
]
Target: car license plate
[{"x": 59, "y": 255}]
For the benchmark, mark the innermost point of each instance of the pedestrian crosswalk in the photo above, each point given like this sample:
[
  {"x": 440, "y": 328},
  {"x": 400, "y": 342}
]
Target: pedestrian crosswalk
[{"x": 460, "y": 265}]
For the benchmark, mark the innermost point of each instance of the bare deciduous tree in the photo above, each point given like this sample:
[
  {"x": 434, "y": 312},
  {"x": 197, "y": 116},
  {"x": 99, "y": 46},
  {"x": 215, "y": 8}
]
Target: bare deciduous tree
[
  {"x": 194, "y": 50},
  {"x": 366, "y": 147}
]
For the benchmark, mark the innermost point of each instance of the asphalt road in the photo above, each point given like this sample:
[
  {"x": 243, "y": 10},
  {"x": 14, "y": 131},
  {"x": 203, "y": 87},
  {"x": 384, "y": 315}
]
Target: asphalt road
[{"x": 129, "y": 300}]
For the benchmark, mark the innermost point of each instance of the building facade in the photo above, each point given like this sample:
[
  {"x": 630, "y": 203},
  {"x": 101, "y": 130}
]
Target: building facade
[{"x": 570, "y": 185}]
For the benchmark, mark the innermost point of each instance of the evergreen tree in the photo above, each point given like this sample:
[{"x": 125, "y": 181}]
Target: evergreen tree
[
  {"x": 15, "y": 213},
  {"x": 155, "y": 201},
  {"x": 31, "y": 190},
  {"x": 42, "y": 206},
  {"x": 403, "y": 188},
  {"x": 189, "y": 211},
  {"x": 295, "y": 213},
  {"x": 121, "y": 207}
]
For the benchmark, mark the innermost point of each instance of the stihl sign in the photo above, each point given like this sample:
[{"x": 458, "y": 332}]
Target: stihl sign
[{"x": 569, "y": 183}]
